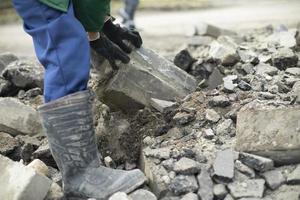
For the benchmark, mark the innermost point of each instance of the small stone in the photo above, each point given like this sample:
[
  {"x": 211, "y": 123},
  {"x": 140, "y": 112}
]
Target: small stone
[
  {"x": 295, "y": 71},
  {"x": 108, "y": 161},
  {"x": 225, "y": 53},
  {"x": 119, "y": 196},
  {"x": 266, "y": 69},
  {"x": 225, "y": 127},
  {"x": 244, "y": 169},
  {"x": 219, "y": 101},
  {"x": 267, "y": 95},
  {"x": 229, "y": 83},
  {"x": 284, "y": 58},
  {"x": 8, "y": 144},
  {"x": 39, "y": 167},
  {"x": 160, "y": 153},
  {"x": 274, "y": 179},
  {"x": 243, "y": 85},
  {"x": 183, "y": 118},
  {"x": 248, "y": 68},
  {"x": 183, "y": 184},
  {"x": 190, "y": 196},
  {"x": 228, "y": 197},
  {"x": 183, "y": 60},
  {"x": 205, "y": 191},
  {"x": 248, "y": 188},
  {"x": 44, "y": 154},
  {"x": 209, "y": 134},
  {"x": 220, "y": 191},
  {"x": 142, "y": 194},
  {"x": 186, "y": 166},
  {"x": 168, "y": 164},
  {"x": 55, "y": 192},
  {"x": 258, "y": 163},
  {"x": 7, "y": 58},
  {"x": 224, "y": 166},
  {"x": 212, "y": 116},
  {"x": 294, "y": 177}
]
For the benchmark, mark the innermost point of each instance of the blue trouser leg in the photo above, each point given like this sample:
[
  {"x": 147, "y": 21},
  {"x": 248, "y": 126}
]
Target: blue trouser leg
[
  {"x": 61, "y": 46},
  {"x": 130, "y": 7}
]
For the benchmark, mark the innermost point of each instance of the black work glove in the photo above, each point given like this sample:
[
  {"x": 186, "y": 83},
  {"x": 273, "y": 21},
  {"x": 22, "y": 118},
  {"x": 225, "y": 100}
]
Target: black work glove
[
  {"x": 110, "y": 51},
  {"x": 117, "y": 34}
]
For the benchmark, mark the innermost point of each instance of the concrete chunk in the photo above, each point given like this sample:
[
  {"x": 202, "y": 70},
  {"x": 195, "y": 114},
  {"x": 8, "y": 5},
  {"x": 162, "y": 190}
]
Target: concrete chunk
[
  {"x": 161, "y": 105},
  {"x": 19, "y": 182},
  {"x": 146, "y": 76},
  {"x": 272, "y": 133},
  {"x": 248, "y": 188},
  {"x": 19, "y": 118},
  {"x": 258, "y": 163},
  {"x": 205, "y": 191},
  {"x": 224, "y": 165},
  {"x": 186, "y": 166}
]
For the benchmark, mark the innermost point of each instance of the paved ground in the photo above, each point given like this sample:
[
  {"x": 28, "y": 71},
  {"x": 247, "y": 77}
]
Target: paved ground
[{"x": 165, "y": 30}]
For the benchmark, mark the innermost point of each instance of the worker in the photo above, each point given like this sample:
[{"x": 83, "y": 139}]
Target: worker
[
  {"x": 128, "y": 12},
  {"x": 63, "y": 32}
]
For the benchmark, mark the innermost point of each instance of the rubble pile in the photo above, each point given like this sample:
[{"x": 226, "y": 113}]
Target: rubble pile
[{"x": 220, "y": 122}]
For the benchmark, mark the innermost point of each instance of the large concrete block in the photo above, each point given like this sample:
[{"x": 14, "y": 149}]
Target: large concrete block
[
  {"x": 272, "y": 133},
  {"x": 18, "y": 182},
  {"x": 147, "y": 76},
  {"x": 17, "y": 118}
]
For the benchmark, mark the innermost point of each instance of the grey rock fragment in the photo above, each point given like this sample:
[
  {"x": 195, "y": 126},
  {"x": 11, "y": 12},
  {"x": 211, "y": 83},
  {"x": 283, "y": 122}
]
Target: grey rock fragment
[
  {"x": 284, "y": 58},
  {"x": 7, "y": 58},
  {"x": 186, "y": 166},
  {"x": 220, "y": 191},
  {"x": 119, "y": 196},
  {"x": 224, "y": 166},
  {"x": 230, "y": 83},
  {"x": 142, "y": 194},
  {"x": 8, "y": 144},
  {"x": 228, "y": 197},
  {"x": 212, "y": 116},
  {"x": 225, "y": 53},
  {"x": 183, "y": 184},
  {"x": 294, "y": 177},
  {"x": 266, "y": 69},
  {"x": 160, "y": 153},
  {"x": 24, "y": 74},
  {"x": 248, "y": 188},
  {"x": 161, "y": 105},
  {"x": 258, "y": 163},
  {"x": 183, "y": 60},
  {"x": 182, "y": 118},
  {"x": 19, "y": 118},
  {"x": 273, "y": 178},
  {"x": 219, "y": 101},
  {"x": 190, "y": 196},
  {"x": 243, "y": 85},
  {"x": 244, "y": 169},
  {"x": 208, "y": 134},
  {"x": 295, "y": 71},
  {"x": 205, "y": 191},
  {"x": 225, "y": 127}
]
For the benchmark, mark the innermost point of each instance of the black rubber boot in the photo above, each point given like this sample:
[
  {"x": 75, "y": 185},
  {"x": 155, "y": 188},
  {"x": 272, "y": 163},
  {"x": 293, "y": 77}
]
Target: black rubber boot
[{"x": 68, "y": 123}]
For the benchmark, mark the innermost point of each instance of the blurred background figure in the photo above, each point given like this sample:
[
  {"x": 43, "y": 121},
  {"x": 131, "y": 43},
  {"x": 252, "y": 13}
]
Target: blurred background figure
[{"x": 127, "y": 13}]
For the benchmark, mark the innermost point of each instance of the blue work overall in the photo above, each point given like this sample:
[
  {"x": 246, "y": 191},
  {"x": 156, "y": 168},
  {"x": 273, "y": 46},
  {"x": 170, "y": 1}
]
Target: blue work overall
[{"x": 61, "y": 45}]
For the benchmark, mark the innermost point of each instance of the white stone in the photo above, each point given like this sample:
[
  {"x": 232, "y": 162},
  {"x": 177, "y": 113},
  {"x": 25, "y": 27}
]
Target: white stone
[{"x": 39, "y": 167}]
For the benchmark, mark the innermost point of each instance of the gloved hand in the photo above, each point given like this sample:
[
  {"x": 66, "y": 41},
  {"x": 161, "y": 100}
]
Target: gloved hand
[
  {"x": 117, "y": 34},
  {"x": 109, "y": 50}
]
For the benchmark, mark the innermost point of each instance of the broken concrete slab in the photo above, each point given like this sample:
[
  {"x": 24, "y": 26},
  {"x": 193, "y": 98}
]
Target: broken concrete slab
[
  {"x": 224, "y": 166},
  {"x": 183, "y": 184},
  {"x": 187, "y": 166},
  {"x": 19, "y": 118},
  {"x": 248, "y": 188},
  {"x": 147, "y": 76},
  {"x": 20, "y": 182},
  {"x": 161, "y": 105},
  {"x": 272, "y": 133},
  {"x": 273, "y": 178},
  {"x": 258, "y": 163},
  {"x": 205, "y": 191},
  {"x": 294, "y": 177}
]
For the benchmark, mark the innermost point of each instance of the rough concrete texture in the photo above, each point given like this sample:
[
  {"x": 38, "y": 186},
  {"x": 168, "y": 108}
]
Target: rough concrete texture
[
  {"x": 18, "y": 118},
  {"x": 18, "y": 182},
  {"x": 271, "y": 133},
  {"x": 147, "y": 76}
]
